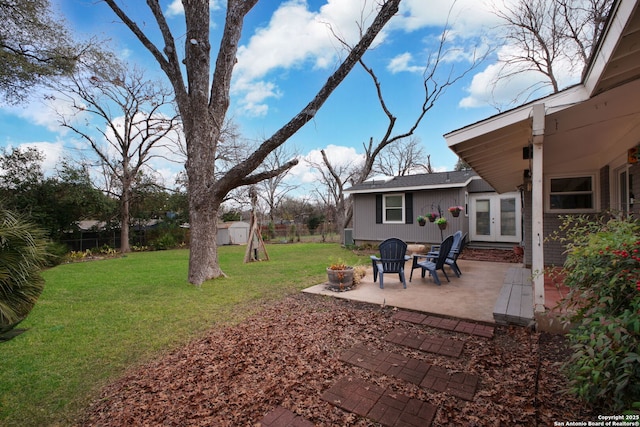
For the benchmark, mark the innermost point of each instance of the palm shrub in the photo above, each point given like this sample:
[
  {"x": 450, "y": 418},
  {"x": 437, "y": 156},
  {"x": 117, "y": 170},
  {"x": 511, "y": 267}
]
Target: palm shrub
[
  {"x": 602, "y": 271},
  {"x": 22, "y": 255}
]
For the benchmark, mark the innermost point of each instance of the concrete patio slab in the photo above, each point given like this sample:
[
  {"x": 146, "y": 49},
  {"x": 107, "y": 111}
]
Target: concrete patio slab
[{"x": 471, "y": 296}]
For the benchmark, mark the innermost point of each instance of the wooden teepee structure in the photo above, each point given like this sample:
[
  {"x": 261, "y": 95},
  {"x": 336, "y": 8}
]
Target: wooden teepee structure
[{"x": 256, "y": 251}]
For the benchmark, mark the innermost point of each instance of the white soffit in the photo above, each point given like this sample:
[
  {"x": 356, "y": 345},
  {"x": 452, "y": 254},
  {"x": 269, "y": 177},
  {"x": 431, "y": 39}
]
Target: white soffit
[
  {"x": 493, "y": 147},
  {"x": 617, "y": 58}
]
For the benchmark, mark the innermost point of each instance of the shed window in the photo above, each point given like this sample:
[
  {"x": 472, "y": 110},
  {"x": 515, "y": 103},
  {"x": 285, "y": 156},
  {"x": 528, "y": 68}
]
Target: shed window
[
  {"x": 572, "y": 193},
  {"x": 393, "y": 208}
]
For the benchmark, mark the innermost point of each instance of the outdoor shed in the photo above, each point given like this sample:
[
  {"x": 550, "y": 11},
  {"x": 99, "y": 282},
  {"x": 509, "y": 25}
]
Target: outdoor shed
[
  {"x": 233, "y": 233},
  {"x": 389, "y": 206}
]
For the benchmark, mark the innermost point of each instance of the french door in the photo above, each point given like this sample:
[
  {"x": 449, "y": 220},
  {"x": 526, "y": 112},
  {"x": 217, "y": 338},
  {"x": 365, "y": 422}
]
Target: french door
[{"x": 495, "y": 217}]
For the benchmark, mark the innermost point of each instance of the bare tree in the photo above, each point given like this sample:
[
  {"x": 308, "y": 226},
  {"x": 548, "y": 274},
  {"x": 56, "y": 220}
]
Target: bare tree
[
  {"x": 334, "y": 177},
  {"x": 546, "y": 36},
  {"x": 403, "y": 157},
  {"x": 275, "y": 189},
  {"x": 435, "y": 81},
  {"x": 135, "y": 130},
  {"x": 203, "y": 105}
]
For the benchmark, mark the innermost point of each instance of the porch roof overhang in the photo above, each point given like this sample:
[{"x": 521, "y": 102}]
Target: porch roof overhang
[
  {"x": 586, "y": 125},
  {"x": 494, "y": 147}
]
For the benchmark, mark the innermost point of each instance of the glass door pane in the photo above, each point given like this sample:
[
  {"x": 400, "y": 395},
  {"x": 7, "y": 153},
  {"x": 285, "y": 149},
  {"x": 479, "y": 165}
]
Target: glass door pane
[
  {"x": 495, "y": 218},
  {"x": 508, "y": 226},
  {"x": 483, "y": 217}
]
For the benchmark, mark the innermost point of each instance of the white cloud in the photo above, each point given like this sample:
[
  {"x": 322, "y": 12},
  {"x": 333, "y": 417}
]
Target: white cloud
[
  {"x": 298, "y": 36},
  {"x": 53, "y": 152},
  {"x": 295, "y": 37},
  {"x": 175, "y": 8},
  {"x": 42, "y": 113},
  {"x": 467, "y": 17},
  {"x": 489, "y": 87},
  {"x": 341, "y": 158},
  {"x": 256, "y": 93},
  {"x": 402, "y": 62}
]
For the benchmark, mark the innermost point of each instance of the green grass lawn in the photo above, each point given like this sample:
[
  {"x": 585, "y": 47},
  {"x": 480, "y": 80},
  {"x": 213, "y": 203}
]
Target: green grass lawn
[{"x": 96, "y": 319}]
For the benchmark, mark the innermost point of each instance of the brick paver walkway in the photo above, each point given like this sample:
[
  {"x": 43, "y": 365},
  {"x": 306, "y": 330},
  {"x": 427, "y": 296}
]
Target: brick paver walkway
[
  {"x": 455, "y": 325},
  {"x": 383, "y": 405},
  {"x": 380, "y": 405},
  {"x": 415, "y": 371},
  {"x": 282, "y": 417},
  {"x": 424, "y": 342}
]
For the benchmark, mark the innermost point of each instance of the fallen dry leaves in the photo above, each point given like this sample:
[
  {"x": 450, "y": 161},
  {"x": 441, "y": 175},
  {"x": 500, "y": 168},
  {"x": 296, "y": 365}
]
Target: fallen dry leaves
[{"x": 288, "y": 355}]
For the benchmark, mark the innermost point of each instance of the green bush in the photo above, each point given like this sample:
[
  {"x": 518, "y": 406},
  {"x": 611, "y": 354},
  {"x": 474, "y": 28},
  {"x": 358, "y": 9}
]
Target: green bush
[
  {"x": 56, "y": 253},
  {"x": 22, "y": 256},
  {"x": 602, "y": 271},
  {"x": 105, "y": 250},
  {"x": 164, "y": 242}
]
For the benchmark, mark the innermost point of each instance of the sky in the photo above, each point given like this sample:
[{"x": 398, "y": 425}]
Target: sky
[{"x": 287, "y": 52}]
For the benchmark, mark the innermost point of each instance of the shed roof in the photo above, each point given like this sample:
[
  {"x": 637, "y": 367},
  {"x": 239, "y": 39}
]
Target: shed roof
[
  {"x": 233, "y": 224},
  {"x": 425, "y": 181}
]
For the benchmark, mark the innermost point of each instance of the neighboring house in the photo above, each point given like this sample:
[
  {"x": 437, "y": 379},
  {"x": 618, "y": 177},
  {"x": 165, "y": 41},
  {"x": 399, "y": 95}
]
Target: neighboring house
[
  {"x": 388, "y": 207},
  {"x": 574, "y": 152},
  {"x": 233, "y": 233}
]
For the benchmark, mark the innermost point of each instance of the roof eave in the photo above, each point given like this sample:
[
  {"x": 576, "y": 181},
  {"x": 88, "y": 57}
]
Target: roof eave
[
  {"x": 552, "y": 103},
  {"x": 442, "y": 186}
]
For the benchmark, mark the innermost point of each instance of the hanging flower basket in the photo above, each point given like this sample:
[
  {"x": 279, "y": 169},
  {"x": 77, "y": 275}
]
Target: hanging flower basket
[
  {"x": 455, "y": 210},
  {"x": 432, "y": 216},
  {"x": 441, "y": 223},
  {"x": 422, "y": 221}
]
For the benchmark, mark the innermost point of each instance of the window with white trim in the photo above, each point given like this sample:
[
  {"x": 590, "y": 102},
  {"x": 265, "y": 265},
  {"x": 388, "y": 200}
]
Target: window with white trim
[
  {"x": 572, "y": 193},
  {"x": 393, "y": 208}
]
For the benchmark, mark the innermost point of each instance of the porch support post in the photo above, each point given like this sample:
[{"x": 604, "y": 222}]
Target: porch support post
[{"x": 537, "y": 207}]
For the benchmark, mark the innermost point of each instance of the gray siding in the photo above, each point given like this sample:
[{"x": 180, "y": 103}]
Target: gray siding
[
  {"x": 366, "y": 230},
  {"x": 480, "y": 186}
]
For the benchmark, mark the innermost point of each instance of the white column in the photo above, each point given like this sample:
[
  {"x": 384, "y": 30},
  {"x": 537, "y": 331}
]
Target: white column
[{"x": 537, "y": 208}]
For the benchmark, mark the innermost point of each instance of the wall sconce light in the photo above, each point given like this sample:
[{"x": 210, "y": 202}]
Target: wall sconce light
[{"x": 526, "y": 176}]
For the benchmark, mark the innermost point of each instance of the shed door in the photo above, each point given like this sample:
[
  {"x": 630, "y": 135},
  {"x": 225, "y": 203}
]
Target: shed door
[{"x": 495, "y": 217}]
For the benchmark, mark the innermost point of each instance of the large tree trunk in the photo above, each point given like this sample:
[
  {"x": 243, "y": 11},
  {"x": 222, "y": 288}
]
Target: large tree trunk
[
  {"x": 125, "y": 214},
  {"x": 203, "y": 205},
  {"x": 125, "y": 221},
  {"x": 203, "y": 254},
  {"x": 203, "y": 112},
  {"x": 202, "y": 122}
]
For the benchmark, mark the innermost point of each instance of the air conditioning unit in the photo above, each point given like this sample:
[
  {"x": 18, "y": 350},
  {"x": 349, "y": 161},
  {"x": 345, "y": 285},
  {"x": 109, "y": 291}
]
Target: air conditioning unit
[{"x": 348, "y": 236}]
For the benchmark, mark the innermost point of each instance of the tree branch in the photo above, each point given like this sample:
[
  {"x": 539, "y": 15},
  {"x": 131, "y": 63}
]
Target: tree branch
[{"x": 387, "y": 11}]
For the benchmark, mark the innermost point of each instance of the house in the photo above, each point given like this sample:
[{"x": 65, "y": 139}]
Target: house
[
  {"x": 573, "y": 152},
  {"x": 233, "y": 233},
  {"x": 388, "y": 207}
]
